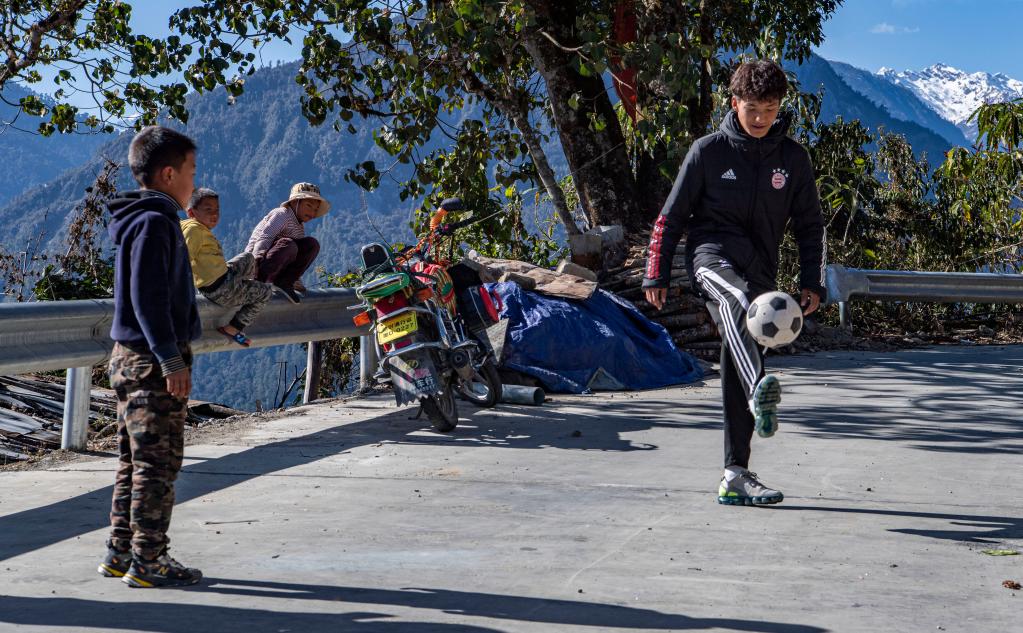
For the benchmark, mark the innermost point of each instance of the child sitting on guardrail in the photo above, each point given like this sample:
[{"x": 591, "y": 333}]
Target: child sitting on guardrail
[
  {"x": 279, "y": 243},
  {"x": 225, "y": 283}
]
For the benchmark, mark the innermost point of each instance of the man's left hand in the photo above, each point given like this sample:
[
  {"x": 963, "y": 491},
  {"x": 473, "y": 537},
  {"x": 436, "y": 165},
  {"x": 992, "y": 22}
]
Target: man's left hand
[{"x": 810, "y": 301}]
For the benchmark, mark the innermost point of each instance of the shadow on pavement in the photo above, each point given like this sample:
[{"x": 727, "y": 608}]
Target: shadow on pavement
[
  {"x": 964, "y": 406},
  {"x": 537, "y": 428},
  {"x": 988, "y": 529},
  {"x": 175, "y": 617},
  {"x": 949, "y": 419}
]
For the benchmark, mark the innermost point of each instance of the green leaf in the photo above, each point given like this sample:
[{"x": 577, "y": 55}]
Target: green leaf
[{"x": 999, "y": 552}]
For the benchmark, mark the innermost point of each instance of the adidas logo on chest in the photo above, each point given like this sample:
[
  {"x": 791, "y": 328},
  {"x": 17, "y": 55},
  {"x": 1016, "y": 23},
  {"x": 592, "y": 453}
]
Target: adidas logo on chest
[{"x": 729, "y": 175}]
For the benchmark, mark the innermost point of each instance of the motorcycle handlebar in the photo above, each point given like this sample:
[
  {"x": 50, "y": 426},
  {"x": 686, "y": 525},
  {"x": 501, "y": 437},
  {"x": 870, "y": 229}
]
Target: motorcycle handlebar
[{"x": 406, "y": 250}]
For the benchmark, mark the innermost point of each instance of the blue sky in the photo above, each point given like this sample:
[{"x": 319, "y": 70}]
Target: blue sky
[
  {"x": 972, "y": 35},
  {"x": 151, "y": 18}
]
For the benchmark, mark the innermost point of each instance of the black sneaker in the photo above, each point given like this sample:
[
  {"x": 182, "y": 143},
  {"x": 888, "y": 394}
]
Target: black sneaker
[
  {"x": 116, "y": 563},
  {"x": 163, "y": 571},
  {"x": 290, "y": 294}
]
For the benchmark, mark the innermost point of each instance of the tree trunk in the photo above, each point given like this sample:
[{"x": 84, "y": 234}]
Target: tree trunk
[
  {"x": 543, "y": 169},
  {"x": 654, "y": 19},
  {"x": 598, "y": 160},
  {"x": 519, "y": 114},
  {"x": 701, "y": 106},
  {"x": 656, "y": 186}
]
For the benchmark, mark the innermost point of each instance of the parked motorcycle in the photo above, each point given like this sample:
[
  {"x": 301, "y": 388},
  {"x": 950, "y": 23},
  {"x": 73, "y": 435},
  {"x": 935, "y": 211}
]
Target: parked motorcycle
[{"x": 425, "y": 349}]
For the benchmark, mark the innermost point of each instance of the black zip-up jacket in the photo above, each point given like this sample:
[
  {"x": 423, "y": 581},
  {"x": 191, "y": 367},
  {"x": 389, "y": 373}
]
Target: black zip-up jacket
[
  {"x": 736, "y": 194},
  {"x": 154, "y": 296}
]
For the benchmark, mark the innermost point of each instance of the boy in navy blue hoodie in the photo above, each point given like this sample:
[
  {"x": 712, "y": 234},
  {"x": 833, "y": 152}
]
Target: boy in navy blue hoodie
[{"x": 155, "y": 320}]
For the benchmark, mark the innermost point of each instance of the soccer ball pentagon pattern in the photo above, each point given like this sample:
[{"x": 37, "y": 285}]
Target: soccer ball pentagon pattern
[{"x": 774, "y": 319}]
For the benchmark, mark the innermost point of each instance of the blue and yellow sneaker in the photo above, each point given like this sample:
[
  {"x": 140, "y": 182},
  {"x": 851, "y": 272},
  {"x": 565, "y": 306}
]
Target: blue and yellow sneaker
[
  {"x": 746, "y": 490},
  {"x": 163, "y": 571},
  {"x": 764, "y": 405},
  {"x": 116, "y": 563}
]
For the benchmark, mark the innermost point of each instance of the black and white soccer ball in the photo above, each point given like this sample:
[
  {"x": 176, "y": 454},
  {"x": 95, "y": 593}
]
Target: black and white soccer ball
[{"x": 774, "y": 319}]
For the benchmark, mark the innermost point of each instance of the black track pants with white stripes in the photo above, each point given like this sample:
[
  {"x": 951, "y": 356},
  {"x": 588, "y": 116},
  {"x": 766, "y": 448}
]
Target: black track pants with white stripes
[{"x": 742, "y": 359}]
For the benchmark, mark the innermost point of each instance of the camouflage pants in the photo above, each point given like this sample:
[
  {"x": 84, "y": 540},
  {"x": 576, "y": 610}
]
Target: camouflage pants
[
  {"x": 240, "y": 289},
  {"x": 150, "y": 433}
]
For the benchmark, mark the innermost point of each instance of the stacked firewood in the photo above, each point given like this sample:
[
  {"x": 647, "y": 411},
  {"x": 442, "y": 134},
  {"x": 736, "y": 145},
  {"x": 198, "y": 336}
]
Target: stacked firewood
[
  {"x": 32, "y": 414},
  {"x": 684, "y": 314},
  {"x": 32, "y": 411}
]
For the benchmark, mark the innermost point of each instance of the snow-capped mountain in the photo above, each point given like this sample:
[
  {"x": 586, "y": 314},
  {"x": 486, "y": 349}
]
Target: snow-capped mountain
[
  {"x": 877, "y": 105},
  {"x": 955, "y": 94},
  {"x": 901, "y": 102}
]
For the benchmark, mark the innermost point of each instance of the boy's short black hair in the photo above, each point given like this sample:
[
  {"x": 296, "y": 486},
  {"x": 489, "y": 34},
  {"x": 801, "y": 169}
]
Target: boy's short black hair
[
  {"x": 154, "y": 148},
  {"x": 760, "y": 80},
  {"x": 200, "y": 194}
]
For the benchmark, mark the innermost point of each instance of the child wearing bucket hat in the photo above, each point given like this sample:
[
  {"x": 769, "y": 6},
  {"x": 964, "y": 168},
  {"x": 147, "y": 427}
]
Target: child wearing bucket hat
[{"x": 282, "y": 250}]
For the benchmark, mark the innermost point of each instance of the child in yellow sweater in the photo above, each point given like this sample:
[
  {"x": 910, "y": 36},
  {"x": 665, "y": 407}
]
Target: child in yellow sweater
[{"x": 225, "y": 283}]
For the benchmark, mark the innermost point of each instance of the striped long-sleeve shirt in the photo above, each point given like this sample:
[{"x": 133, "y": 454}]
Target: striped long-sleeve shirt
[{"x": 281, "y": 222}]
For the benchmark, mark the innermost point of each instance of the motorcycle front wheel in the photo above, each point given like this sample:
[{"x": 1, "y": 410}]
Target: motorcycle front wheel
[
  {"x": 484, "y": 388},
  {"x": 442, "y": 410}
]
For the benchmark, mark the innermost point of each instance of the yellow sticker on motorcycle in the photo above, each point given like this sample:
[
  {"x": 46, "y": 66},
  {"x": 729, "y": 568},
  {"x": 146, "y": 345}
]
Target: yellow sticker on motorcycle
[{"x": 397, "y": 327}]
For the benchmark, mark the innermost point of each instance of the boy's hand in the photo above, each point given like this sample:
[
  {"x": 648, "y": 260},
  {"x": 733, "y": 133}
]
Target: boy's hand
[
  {"x": 810, "y": 301},
  {"x": 656, "y": 296},
  {"x": 179, "y": 383}
]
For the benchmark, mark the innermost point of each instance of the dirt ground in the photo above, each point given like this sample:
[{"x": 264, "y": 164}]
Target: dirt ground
[{"x": 208, "y": 432}]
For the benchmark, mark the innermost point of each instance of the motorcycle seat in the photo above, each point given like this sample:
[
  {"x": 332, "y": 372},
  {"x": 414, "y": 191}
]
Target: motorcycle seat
[{"x": 383, "y": 285}]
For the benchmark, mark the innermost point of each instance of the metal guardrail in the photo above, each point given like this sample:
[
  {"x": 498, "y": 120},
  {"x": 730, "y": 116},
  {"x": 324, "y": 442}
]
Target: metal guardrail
[
  {"x": 75, "y": 335},
  {"x": 844, "y": 284}
]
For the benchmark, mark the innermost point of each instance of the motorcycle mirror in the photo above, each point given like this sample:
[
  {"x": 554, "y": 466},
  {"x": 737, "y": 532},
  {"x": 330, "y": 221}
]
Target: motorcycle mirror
[{"x": 374, "y": 255}]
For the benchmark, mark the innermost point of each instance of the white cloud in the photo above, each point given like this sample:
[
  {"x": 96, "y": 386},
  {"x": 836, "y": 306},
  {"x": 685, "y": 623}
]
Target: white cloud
[{"x": 883, "y": 28}]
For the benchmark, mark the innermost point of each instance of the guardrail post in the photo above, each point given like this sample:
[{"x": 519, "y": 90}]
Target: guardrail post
[
  {"x": 367, "y": 361},
  {"x": 313, "y": 362},
  {"x": 844, "y": 315},
  {"x": 75, "y": 429}
]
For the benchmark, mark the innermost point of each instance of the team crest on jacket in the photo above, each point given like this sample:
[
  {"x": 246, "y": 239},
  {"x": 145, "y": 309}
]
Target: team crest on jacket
[{"x": 779, "y": 177}]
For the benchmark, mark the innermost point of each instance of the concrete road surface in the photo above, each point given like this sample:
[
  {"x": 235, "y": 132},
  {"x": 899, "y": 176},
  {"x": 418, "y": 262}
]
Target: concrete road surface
[{"x": 591, "y": 513}]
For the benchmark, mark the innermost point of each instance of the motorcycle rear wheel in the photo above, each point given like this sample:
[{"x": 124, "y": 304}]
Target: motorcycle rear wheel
[
  {"x": 484, "y": 389},
  {"x": 442, "y": 410}
]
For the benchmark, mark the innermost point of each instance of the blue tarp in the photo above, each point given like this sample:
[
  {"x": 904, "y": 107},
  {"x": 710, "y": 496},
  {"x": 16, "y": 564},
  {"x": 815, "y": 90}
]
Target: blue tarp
[{"x": 573, "y": 346}]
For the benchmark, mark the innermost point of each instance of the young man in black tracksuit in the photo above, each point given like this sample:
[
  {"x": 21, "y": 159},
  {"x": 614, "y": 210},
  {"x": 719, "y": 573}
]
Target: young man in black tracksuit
[{"x": 737, "y": 191}]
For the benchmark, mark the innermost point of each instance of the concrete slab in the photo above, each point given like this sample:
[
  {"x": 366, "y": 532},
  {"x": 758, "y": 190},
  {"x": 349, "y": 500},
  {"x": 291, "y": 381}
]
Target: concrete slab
[{"x": 591, "y": 513}]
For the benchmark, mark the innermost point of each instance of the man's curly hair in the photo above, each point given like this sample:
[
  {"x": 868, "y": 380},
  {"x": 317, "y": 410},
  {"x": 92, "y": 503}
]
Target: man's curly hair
[{"x": 760, "y": 80}]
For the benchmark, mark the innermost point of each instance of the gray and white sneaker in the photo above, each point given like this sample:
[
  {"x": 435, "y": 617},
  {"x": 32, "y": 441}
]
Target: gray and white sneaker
[
  {"x": 746, "y": 490},
  {"x": 764, "y": 405}
]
